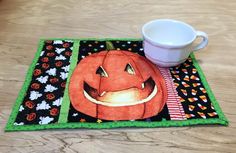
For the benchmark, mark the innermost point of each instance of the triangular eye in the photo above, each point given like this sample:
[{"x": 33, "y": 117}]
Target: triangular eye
[
  {"x": 129, "y": 69},
  {"x": 101, "y": 72}
]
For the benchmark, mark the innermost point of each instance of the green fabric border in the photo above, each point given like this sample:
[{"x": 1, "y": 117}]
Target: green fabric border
[
  {"x": 99, "y": 39},
  {"x": 121, "y": 124},
  {"x": 66, "y": 100},
  {"x": 63, "y": 117},
  {"x": 25, "y": 86}
]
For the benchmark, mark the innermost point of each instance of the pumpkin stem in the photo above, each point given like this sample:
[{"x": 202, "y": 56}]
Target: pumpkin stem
[{"x": 109, "y": 46}]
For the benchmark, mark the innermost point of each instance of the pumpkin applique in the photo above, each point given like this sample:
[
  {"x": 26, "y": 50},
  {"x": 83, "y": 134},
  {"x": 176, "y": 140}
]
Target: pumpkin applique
[
  {"x": 50, "y": 96},
  {"x": 37, "y": 72},
  {"x": 54, "y": 111},
  {"x": 45, "y": 59},
  {"x": 50, "y": 54},
  {"x": 29, "y": 104},
  {"x": 31, "y": 116},
  {"x": 65, "y": 45},
  {"x": 63, "y": 84},
  {"x": 117, "y": 85},
  {"x": 54, "y": 80},
  {"x": 58, "y": 64},
  {"x": 45, "y": 65},
  {"x": 67, "y": 53},
  {"x": 49, "y": 47},
  {"x": 35, "y": 86},
  {"x": 49, "y": 41}
]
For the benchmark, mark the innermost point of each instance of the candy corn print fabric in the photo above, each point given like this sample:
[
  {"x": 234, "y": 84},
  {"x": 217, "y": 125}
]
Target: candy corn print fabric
[{"x": 108, "y": 83}]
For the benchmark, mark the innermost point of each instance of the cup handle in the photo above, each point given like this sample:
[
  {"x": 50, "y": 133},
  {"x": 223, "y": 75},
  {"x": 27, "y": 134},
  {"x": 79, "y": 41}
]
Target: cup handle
[{"x": 204, "y": 41}]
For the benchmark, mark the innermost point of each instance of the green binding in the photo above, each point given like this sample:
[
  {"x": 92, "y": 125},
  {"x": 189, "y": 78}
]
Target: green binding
[{"x": 63, "y": 118}]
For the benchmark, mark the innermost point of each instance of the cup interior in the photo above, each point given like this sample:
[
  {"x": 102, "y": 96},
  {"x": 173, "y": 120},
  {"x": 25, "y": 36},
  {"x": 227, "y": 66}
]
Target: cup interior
[{"x": 169, "y": 32}]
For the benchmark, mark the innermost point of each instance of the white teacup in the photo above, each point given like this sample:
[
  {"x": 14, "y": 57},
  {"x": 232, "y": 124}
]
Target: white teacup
[{"x": 169, "y": 42}]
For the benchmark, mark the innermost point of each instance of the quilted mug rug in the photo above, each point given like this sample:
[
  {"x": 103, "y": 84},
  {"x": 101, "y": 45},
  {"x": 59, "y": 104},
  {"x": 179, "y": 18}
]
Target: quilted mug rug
[{"x": 108, "y": 83}]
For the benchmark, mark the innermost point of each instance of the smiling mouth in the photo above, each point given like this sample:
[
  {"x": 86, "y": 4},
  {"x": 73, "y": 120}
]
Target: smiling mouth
[{"x": 126, "y": 97}]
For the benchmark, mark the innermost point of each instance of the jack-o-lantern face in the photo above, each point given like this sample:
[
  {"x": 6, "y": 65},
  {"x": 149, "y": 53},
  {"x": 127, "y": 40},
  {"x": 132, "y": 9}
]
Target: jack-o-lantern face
[
  {"x": 37, "y": 72},
  {"x": 65, "y": 45},
  {"x": 50, "y": 54},
  {"x": 49, "y": 47},
  {"x": 31, "y": 116},
  {"x": 67, "y": 53},
  {"x": 117, "y": 85},
  {"x": 45, "y": 65},
  {"x": 35, "y": 86},
  {"x": 58, "y": 64},
  {"x": 29, "y": 104},
  {"x": 53, "y": 80},
  {"x": 45, "y": 59},
  {"x": 63, "y": 84},
  {"x": 50, "y": 96},
  {"x": 54, "y": 111}
]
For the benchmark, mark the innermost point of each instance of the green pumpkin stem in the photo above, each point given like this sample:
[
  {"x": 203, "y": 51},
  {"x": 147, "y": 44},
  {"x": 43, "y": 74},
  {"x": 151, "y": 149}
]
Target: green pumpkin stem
[{"x": 109, "y": 46}]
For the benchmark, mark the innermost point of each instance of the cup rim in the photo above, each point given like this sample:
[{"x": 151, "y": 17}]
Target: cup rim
[{"x": 167, "y": 45}]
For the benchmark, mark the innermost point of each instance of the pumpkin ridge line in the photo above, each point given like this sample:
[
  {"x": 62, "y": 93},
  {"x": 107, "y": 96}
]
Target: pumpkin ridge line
[
  {"x": 103, "y": 61},
  {"x": 100, "y": 80}
]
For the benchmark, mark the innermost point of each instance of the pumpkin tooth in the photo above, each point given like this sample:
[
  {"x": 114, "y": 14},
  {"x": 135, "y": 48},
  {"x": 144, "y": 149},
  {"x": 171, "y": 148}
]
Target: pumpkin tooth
[
  {"x": 102, "y": 93},
  {"x": 142, "y": 85}
]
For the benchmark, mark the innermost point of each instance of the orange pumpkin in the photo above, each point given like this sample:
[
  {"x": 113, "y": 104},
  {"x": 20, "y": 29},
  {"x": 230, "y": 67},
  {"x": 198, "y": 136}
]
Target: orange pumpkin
[
  {"x": 45, "y": 65},
  {"x": 37, "y": 72},
  {"x": 45, "y": 59},
  {"x": 67, "y": 53},
  {"x": 29, "y": 104},
  {"x": 35, "y": 86},
  {"x": 53, "y": 80},
  {"x": 63, "y": 84},
  {"x": 50, "y": 96},
  {"x": 54, "y": 111},
  {"x": 65, "y": 45},
  {"x": 49, "y": 47},
  {"x": 31, "y": 116},
  {"x": 51, "y": 54},
  {"x": 117, "y": 85},
  {"x": 58, "y": 64}
]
